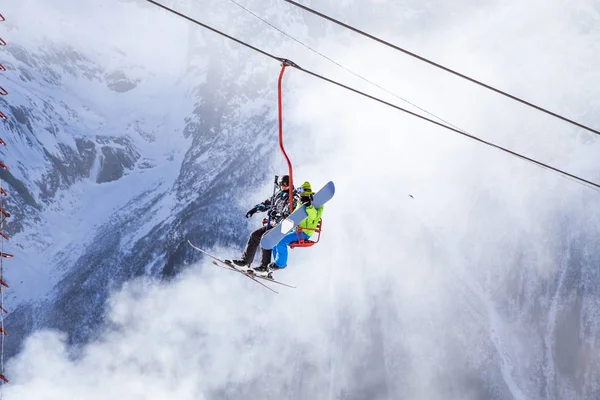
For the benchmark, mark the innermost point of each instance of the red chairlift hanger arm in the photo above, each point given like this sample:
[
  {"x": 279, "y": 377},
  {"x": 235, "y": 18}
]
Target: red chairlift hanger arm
[{"x": 284, "y": 63}]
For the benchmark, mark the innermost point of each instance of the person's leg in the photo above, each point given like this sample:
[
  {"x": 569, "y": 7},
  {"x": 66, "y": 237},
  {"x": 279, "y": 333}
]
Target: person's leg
[
  {"x": 280, "y": 251},
  {"x": 275, "y": 252},
  {"x": 252, "y": 245},
  {"x": 265, "y": 257},
  {"x": 265, "y": 254}
]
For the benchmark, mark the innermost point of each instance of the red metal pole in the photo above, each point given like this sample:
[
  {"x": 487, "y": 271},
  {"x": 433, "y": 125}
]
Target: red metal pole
[{"x": 291, "y": 188}]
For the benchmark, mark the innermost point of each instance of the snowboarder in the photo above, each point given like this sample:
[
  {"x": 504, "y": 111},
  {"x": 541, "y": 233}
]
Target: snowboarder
[
  {"x": 305, "y": 229},
  {"x": 278, "y": 208}
]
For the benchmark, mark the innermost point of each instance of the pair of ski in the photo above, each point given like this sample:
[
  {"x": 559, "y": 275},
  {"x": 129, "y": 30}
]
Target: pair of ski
[
  {"x": 274, "y": 236},
  {"x": 220, "y": 263}
]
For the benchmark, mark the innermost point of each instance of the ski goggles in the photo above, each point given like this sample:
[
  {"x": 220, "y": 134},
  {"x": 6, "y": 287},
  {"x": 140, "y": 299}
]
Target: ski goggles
[{"x": 304, "y": 191}]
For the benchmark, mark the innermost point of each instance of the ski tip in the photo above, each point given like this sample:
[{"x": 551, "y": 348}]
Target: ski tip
[{"x": 194, "y": 247}]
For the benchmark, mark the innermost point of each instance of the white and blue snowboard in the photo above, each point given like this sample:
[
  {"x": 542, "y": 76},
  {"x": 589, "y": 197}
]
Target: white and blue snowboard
[{"x": 274, "y": 236}]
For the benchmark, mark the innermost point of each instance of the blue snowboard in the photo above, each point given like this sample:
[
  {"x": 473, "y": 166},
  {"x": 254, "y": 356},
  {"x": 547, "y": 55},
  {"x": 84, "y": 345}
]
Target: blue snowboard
[{"x": 274, "y": 236}]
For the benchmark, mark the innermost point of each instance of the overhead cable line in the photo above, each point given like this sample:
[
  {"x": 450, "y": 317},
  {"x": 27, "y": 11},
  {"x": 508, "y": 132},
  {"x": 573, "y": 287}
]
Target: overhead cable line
[
  {"x": 539, "y": 163},
  {"x": 292, "y": 64},
  {"x": 520, "y": 100},
  {"x": 341, "y": 66}
]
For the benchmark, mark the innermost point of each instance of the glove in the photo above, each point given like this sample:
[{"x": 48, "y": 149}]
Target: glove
[
  {"x": 306, "y": 201},
  {"x": 251, "y": 212}
]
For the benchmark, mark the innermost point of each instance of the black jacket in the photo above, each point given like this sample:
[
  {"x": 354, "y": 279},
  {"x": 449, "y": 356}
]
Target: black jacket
[{"x": 278, "y": 208}]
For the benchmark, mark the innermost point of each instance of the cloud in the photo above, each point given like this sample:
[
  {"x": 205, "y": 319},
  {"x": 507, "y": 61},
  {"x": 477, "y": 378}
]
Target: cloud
[{"x": 113, "y": 34}]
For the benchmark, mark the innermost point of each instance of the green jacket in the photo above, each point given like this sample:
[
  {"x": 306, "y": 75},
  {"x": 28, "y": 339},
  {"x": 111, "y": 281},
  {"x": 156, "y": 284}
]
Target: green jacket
[{"x": 310, "y": 222}]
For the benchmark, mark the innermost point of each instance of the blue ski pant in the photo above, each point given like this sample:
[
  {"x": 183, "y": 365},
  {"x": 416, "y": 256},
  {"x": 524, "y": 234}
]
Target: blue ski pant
[{"x": 280, "y": 251}]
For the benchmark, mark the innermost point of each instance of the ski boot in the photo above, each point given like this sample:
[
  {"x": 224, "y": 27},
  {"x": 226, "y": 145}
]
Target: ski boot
[
  {"x": 238, "y": 264},
  {"x": 274, "y": 267},
  {"x": 263, "y": 271}
]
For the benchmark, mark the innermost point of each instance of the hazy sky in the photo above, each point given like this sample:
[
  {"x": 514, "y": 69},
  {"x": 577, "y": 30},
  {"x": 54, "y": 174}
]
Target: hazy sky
[{"x": 406, "y": 268}]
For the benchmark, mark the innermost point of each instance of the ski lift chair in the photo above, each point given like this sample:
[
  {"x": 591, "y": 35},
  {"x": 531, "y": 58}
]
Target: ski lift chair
[{"x": 307, "y": 243}]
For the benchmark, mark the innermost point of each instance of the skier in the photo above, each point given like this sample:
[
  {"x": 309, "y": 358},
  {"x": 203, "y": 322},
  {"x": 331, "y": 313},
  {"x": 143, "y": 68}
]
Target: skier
[
  {"x": 278, "y": 208},
  {"x": 305, "y": 229}
]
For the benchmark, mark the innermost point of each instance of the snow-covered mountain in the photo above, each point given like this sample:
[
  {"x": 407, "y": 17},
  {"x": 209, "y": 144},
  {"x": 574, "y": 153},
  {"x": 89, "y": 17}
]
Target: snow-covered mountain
[
  {"x": 131, "y": 130},
  {"x": 113, "y": 168}
]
